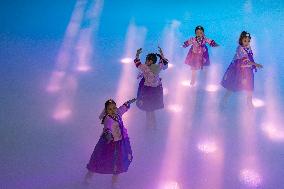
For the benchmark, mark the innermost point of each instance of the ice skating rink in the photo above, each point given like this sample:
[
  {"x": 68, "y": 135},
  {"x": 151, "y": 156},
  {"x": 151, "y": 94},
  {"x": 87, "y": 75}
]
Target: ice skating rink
[{"x": 61, "y": 60}]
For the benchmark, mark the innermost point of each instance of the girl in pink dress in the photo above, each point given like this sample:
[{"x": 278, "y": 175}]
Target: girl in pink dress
[{"x": 198, "y": 56}]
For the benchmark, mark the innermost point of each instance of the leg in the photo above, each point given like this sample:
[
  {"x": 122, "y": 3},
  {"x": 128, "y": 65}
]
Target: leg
[
  {"x": 88, "y": 176},
  {"x": 148, "y": 118},
  {"x": 225, "y": 98},
  {"x": 249, "y": 99},
  {"x": 151, "y": 119},
  {"x": 114, "y": 180},
  {"x": 193, "y": 77}
]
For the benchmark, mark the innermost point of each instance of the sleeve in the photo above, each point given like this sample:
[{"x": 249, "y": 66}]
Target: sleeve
[
  {"x": 188, "y": 42},
  {"x": 211, "y": 42},
  {"x": 163, "y": 63},
  {"x": 137, "y": 62},
  {"x": 124, "y": 108},
  {"x": 140, "y": 75}
]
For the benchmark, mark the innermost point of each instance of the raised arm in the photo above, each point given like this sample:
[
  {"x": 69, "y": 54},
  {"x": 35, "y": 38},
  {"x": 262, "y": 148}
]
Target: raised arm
[
  {"x": 147, "y": 73},
  {"x": 138, "y": 52},
  {"x": 163, "y": 62},
  {"x": 125, "y": 107}
]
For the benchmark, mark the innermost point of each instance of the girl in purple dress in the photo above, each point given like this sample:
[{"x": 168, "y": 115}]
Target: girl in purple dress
[
  {"x": 198, "y": 56},
  {"x": 112, "y": 154},
  {"x": 150, "y": 90},
  {"x": 240, "y": 74}
]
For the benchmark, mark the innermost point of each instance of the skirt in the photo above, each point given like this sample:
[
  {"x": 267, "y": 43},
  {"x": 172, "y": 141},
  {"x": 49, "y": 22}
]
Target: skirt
[
  {"x": 110, "y": 158},
  {"x": 237, "y": 78},
  {"x": 149, "y": 98},
  {"x": 197, "y": 60}
]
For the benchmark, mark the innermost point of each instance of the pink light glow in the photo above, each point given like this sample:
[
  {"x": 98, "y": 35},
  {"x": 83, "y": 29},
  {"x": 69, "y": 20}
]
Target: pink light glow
[
  {"x": 134, "y": 39},
  {"x": 250, "y": 177},
  {"x": 55, "y": 81},
  {"x": 273, "y": 132},
  {"x": 212, "y": 88},
  {"x": 172, "y": 157},
  {"x": 62, "y": 112},
  {"x": 257, "y": 103},
  {"x": 170, "y": 65},
  {"x": 207, "y": 147},
  {"x": 165, "y": 91},
  {"x": 83, "y": 68},
  {"x": 186, "y": 83},
  {"x": 175, "y": 108},
  {"x": 126, "y": 60},
  {"x": 170, "y": 185}
]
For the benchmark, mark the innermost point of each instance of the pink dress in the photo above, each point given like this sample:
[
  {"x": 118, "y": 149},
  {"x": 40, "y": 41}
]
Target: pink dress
[{"x": 198, "y": 56}]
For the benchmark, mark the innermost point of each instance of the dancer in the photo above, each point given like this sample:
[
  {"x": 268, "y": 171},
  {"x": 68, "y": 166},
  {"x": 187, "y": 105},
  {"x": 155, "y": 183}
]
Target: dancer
[
  {"x": 239, "y": 76},
  {"x": 112, "y": 154},
  {"x": 150, "y": 90},
  {"x": 198, "y": 56}
]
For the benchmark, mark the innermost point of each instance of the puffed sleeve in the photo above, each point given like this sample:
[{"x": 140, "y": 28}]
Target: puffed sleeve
[
  {"x": 211, "y": 42},
  {"x": 124, "y": 108},
  {"x": 163, "y": 62},
  {"x": 188, "y": 42}
]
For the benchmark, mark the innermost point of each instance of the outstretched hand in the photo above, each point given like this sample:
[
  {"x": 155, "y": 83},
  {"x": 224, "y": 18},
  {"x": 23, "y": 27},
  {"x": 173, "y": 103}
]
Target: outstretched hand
[
  {"x": 161, "y": 51},
  {"x": 138, "y": 52},
  {"x": 259, "y": 66},
  {"x": 132, "y": 100}
]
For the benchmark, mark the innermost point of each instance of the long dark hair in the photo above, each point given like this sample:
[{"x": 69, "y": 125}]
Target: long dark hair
[
  {"x": 243, "y": 35},
  {"x": 107, "y": 103}
]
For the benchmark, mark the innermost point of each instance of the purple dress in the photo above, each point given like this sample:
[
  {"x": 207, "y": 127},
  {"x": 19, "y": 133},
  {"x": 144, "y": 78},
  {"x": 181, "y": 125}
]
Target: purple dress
[
  {"x": 112, "y": 154},
  {"x": 198, "y": 56},
  {"x": 239, "y": 75},
  {"x": 150, "y": 90},
  {"x": 149, "y": 98}
]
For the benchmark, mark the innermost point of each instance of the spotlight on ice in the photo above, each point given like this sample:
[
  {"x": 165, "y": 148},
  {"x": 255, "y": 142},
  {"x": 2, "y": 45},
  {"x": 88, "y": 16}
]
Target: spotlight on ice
[
  {"x": 212, "y": 88},
  {"x": 170, "y": 185},
  {"x": 126, "y": 60},
  {"x": 83, "y": 68},
  {"x": 257, "y": 103},
  {"x": 62, "y": 113},
  {"x": 273, "y": 132},
  {"x": 165, "y": 91},
  {"x": 186, "y": 83},
  {"x": 175, "y": 108},
  {"x": 250, "y": 178},
  {"x": 207, "y": 147},
  {"x": 170, "y": 65}
]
